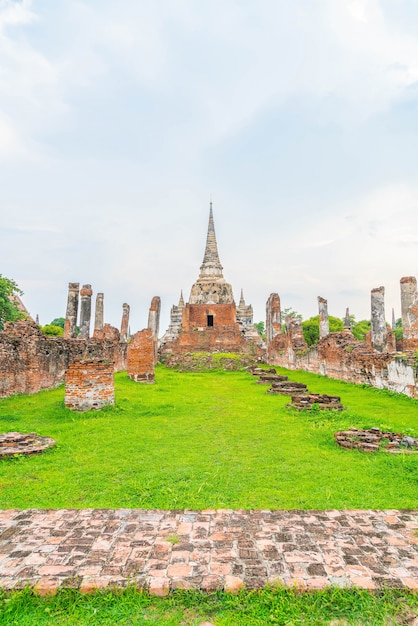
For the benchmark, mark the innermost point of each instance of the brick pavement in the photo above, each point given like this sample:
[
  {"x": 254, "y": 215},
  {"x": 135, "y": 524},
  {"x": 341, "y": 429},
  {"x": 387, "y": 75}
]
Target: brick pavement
[{"x": 222, "y": 549}]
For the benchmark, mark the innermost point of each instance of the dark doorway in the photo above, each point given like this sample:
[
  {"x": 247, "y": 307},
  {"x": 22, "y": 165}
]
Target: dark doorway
[{"x": 210, "y": 320}]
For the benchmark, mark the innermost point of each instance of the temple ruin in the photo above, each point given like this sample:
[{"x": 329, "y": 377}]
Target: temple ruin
[{"x": 210, "y": 320}]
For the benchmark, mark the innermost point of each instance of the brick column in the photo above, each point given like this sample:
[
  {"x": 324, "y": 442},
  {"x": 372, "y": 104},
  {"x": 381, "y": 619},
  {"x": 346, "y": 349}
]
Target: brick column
[
  {"x": 89, "y": 384},
  {"x": 140, "y": 358},
  {"x": 154, "y": 322},
  {"x": 409, "y": 305},
  {"x": 124, "y": 327},
  {"x": 85, "y": 311},
  {"x": 323, "y": 317},
  {"x": 70, "y": 326},
  {"x": 99, "y": 313},
  {"x": 379, "y": 333},
  {"x": 273, "y": 317}
]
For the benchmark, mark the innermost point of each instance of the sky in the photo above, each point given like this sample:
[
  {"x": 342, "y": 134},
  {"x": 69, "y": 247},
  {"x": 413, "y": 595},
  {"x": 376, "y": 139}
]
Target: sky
[{"x": 120, "y": 120}]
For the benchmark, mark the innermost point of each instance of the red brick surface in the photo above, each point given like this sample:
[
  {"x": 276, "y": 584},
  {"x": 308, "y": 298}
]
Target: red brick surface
[
  {"x": 89, "y": 384},
  {"x": 31, "y": 361},
  {"x": 140, "y": 359},
  {"x": 224, "y": 549}
]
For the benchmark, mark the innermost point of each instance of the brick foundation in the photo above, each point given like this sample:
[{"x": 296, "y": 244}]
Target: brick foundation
[
  {"x": 140, "y": 360},
  {"x": 89, "y": 384}
]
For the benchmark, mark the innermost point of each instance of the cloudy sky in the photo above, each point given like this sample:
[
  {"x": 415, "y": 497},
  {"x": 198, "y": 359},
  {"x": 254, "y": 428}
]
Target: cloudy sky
[{"x": 118, "y": 120}]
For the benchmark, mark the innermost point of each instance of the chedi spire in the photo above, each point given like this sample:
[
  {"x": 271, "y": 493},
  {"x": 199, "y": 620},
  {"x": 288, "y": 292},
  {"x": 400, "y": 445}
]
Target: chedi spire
[{"x": 211, "y": 265}]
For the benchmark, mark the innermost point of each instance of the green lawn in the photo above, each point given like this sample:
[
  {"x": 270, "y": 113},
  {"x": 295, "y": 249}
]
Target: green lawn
[
  {"x": 338, "y": 607},
  {"x": 208, "y": 440}
]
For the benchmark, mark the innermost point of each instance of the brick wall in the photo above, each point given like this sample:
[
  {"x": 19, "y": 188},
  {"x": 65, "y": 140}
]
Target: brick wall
[
  {"x": 89, "y": 384},
  {"x": 340, "y": 356},
  {"x": 31, "y": 361},
  {"x": 140, "y": 359}
]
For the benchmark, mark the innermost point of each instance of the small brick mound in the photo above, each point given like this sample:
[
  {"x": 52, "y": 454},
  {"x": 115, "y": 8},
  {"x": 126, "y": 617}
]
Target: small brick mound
[
  {"x": 321, "y": 400},
  {"x": 373, "y": 440},
  {"x": 287, "y": 388},
  {"x": 269, "y": 379},
  {"x": 21, "y": 443},
  {"x": 259, "y": 371}
]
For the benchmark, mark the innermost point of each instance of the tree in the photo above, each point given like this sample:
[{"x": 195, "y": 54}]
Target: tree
[
  {"x": 310, "y": 328},
  {"x": 58, "y": 321},
  {"x": 52, "y": 330},
  {"x": 398, "y": 331},
  {"x": 360, "y": 329},
  {"x": 9, "y": 307},
  {"x": 260, "y": 327}
]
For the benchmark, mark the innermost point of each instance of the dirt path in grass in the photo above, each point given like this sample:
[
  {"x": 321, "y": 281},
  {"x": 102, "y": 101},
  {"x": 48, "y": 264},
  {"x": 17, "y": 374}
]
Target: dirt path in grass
[{"x": 223, "y": 549}]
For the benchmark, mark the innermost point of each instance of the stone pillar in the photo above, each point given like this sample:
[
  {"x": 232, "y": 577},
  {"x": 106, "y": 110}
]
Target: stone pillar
[
  {"x": 154, "y": 322},
  {"x": 393, "y": 319},
  {"x": 99, "y": 313},
  {"x": 140, "y": 358},
  {"x": 408, "y": 297},
  {"x": 70, "y": 326},
  {"x": 347, "y": 320},
  {"x": 85, "y": 311},
  {"x": 379, "y": 333},
  {"x": 125, "y": 323},
  {"x": 273, "y": 317},
  {"x": 323, "y": 317}
]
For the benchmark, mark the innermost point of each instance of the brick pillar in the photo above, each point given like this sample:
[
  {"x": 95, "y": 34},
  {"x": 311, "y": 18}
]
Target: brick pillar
[
  {"x": 379, "y": 333},
  {"x": 70, "y": 326},
  {"x": 99, "y": 313},
  {"x": 85, "y": 311},
  {"x": 89, "y": 384},
  {"x": 323, "y": 317},
  {"x": 154, "y": 322},
  {"x": 140, "y": 359},
  {"x": 409, "y": 304},
  {"x": 125, "y": 323},
  {"x": 273, "y": 317}
]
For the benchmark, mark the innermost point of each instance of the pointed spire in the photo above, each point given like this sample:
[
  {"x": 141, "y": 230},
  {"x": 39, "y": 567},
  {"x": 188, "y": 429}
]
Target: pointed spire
[
  {"x": 347, "y": 319},
  {"x": 211, "y": 264},
  {"x": 241, "y": 300},
  {"x": 181, "y": 301}
]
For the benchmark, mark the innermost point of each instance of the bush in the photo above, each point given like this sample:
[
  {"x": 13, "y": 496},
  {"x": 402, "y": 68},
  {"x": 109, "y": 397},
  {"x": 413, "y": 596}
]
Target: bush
[
  {"x": 310, "y": 328},
  {"x": 52, "y": 330}
]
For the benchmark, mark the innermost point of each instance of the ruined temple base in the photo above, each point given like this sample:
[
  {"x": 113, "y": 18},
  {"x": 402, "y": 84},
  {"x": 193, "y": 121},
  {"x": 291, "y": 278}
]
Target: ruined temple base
[
  {"x": 204, "y": 361},
  {"x": 41, "y": 549}
]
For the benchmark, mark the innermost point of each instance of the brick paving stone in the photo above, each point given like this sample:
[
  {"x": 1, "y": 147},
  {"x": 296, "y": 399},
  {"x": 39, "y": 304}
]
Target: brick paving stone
[{"x": 217, "y": 549}]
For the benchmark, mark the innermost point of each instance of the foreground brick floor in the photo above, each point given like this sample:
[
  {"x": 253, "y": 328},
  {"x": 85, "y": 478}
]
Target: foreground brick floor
[{"x": 223, "y": 549}]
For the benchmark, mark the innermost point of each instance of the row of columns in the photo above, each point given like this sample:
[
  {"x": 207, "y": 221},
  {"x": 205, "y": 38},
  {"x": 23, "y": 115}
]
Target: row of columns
[
  {"x": 379, "y": 331},
  {"x": 83, "y": 296}
]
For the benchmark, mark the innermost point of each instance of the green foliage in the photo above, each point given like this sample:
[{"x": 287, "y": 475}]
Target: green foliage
[
  {"x": 58, "y": 321},
  {"x": 52, "y": 330},
  {"x": 398, "y": 331},
  {"x": 187, "y": 430},
  {"x": 260, "y": 327},
  {"x": 360, "y": 329},
  {"x": 9, "y": 310},
  {"x": 271, "y": 605},
  {"x": 310, "y": 328},
  {"x": 289, "y": 312}
]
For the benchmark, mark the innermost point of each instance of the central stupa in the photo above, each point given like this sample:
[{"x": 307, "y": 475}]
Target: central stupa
[
  {"x": 211, "y": 287},
  {"x": 210, "y": 320}
]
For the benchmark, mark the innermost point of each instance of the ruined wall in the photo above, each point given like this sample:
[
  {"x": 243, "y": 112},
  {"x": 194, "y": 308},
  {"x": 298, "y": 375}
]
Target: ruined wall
[
  {"x": 31, "y": 361},
  {"x": 197, "y": 335},
  {"x": 140, "y": 359},
  {"x": 89, "y": 384},
  {"x": 340, "y": 356}
]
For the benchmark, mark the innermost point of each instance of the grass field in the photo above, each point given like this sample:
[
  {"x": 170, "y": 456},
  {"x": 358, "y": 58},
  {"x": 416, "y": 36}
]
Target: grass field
[
  {"x": 281, "y": 607},
  {"x": 209, "y": 440}
]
